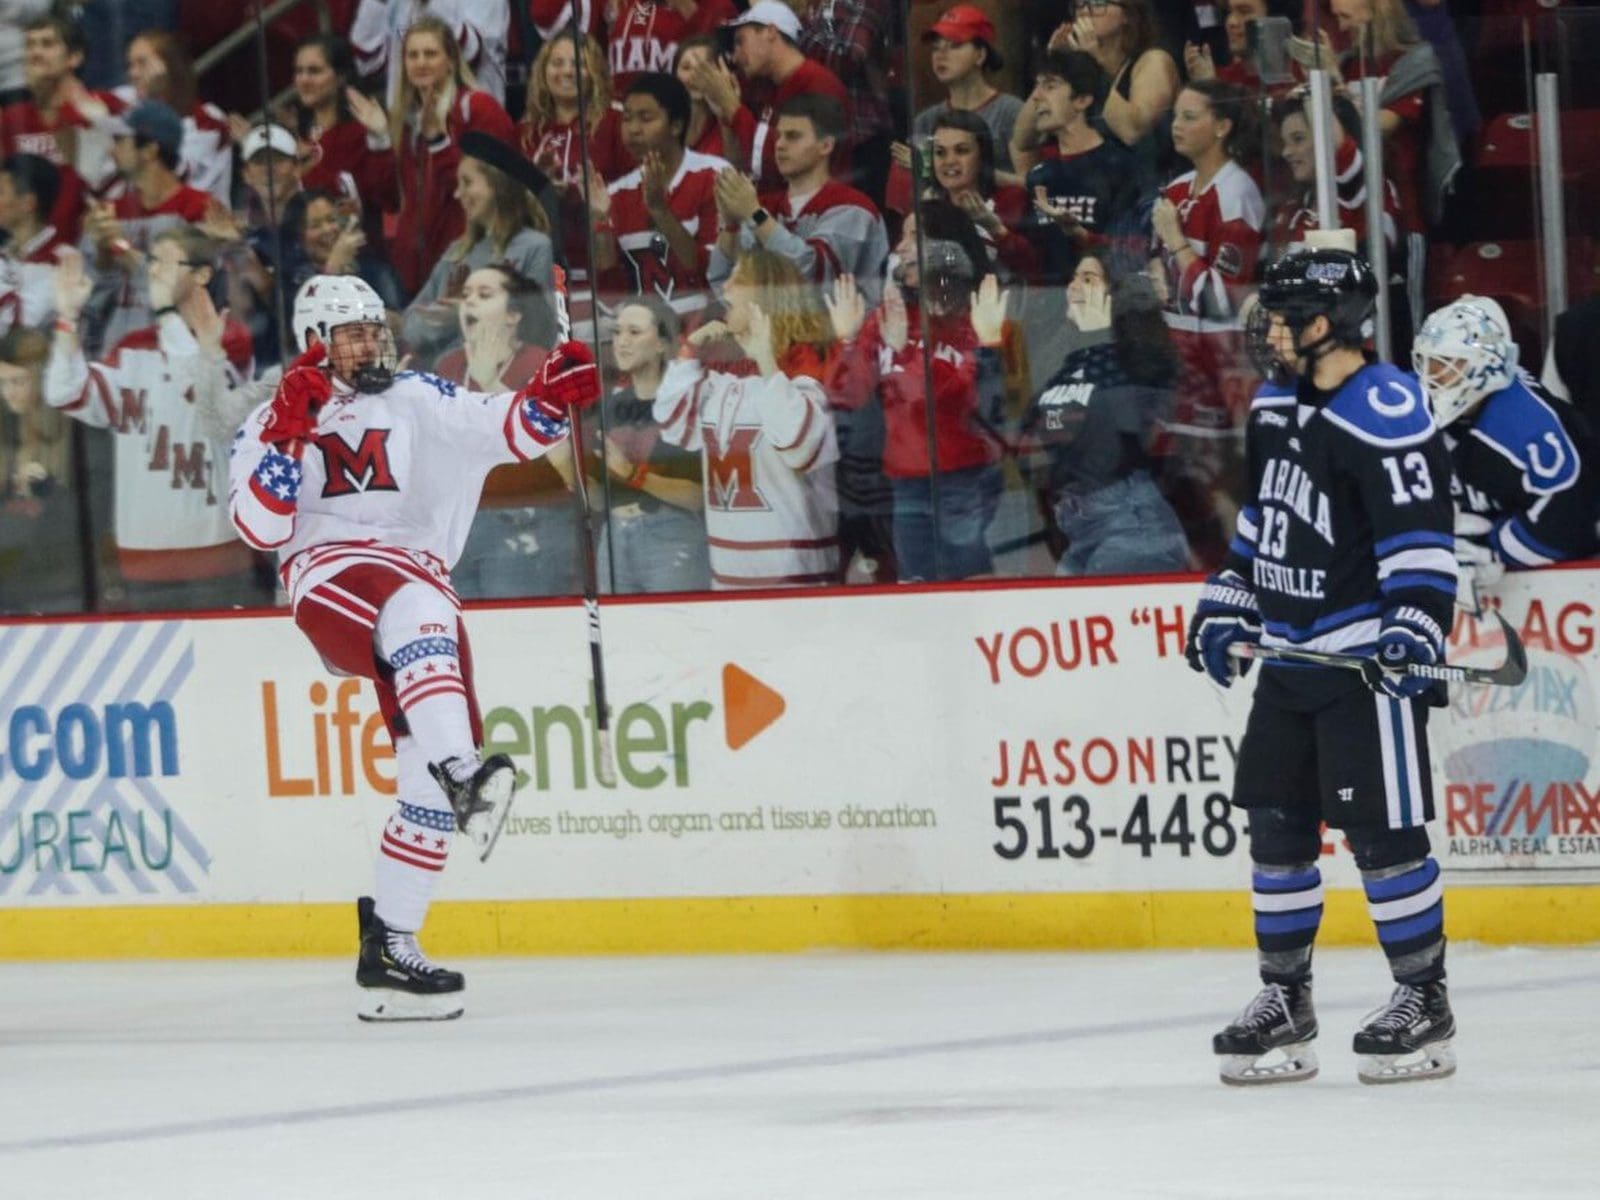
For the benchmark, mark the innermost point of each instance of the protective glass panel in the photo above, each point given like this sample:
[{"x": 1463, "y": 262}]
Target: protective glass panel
[{"x": 774, "y": 224}]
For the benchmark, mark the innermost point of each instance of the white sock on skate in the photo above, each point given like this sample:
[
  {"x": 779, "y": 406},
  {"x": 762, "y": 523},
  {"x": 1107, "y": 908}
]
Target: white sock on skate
[{"x": 414, "y": 845}]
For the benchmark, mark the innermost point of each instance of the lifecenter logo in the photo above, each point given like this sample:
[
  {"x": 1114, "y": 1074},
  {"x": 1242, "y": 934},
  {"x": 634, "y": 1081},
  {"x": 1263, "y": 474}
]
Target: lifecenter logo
[{"x": 342, "y": 746}]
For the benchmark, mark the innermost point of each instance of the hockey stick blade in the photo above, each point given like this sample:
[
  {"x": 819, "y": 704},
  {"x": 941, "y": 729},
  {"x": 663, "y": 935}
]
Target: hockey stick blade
[{"x": 1508, "y": 674}]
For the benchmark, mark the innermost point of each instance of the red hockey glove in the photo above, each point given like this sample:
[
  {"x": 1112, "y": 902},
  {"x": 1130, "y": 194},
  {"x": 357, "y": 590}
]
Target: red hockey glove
[
  {"x": 302, "y": 390},
  {"x": 567, "y": 380}
]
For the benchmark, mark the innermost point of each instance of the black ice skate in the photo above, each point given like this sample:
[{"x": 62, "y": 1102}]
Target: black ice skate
[
  {"x": 398, "y": 981},
  {"x": 1409, "y": 1038},
  {"x": 1270, "y": 1041},
  {"x": 480, "y": 799}
]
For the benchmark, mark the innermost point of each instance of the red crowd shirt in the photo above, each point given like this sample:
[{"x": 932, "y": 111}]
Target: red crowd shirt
[
  {"x": 550, "y": 17},
  {"x": 645, "y": 36},
  {"x": 24, "y": 130},
  {"x": 1223, "y": 226},
  {"x": 1293, "y": 220},
  {"x": 559, "y": 140},
  {"x": 1404, "y": 146},
  {"x": 755, "y": 129},
  {"x": 713, "y": 143},
  {"x": 867, "y": 366},
  {"x": 341, "y": 153},
  {"x": 187, "y": 202},
  {"x": 430, "y": 217},
  {"x": 645, "y": 263}
]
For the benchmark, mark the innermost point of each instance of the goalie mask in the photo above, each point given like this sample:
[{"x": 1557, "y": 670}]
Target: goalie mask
[
  {"x": 1464, "y": 353},
  {"x": 345, "y": 314}
]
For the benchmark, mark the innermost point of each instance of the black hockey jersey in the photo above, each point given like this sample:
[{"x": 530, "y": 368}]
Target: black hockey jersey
[
  {"x": 1348, "y": 511},
  {"x": 1528, "y": 463}
]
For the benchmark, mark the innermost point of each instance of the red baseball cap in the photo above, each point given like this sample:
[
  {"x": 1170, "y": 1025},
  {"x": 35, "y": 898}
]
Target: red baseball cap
[{"x": 962, "y": 23}]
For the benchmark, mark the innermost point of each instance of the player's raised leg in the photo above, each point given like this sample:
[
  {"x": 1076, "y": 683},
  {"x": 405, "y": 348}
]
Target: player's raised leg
[{"x": 419, "y": 636}]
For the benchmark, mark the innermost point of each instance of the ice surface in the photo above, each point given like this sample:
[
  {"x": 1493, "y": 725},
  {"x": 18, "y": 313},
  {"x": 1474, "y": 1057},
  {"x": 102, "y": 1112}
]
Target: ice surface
[{"x": 827, "y": 1076}]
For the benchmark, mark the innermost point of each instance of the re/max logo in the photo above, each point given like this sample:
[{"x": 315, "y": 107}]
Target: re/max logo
[{"x": 121, "y": 740}]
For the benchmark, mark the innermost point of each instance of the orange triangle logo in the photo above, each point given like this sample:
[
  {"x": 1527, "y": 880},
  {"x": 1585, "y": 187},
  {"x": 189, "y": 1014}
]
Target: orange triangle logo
[{"x": 748, "y": 705}]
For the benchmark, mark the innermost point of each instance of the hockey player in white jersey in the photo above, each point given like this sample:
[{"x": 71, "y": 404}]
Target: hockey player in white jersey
[{"x": 365, "y": 481}]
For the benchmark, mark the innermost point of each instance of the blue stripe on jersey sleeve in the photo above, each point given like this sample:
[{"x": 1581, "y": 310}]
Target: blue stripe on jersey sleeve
[
  {"x": 1415, "y": 539},
  {"x": 1402, "y": 581},
  {"x": 1519, "y": 529}
]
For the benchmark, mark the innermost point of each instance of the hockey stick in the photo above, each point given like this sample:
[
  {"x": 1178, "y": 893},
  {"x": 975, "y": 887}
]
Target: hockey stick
[
  {"x": 1508, "y": 674},
  {"x": 605, "y": 763}
]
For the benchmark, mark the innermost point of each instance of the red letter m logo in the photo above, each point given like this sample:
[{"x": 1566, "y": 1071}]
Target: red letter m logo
[
  {"x": 731, "y": 478},
  {"x": 362, "y": 469}
]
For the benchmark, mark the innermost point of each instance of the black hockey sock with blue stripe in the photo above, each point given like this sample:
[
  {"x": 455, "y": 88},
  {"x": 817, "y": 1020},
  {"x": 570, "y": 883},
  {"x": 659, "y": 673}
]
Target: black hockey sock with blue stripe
[
  {"x": 1407, "y": 906},
  {"x": 1288, "y": 911}
]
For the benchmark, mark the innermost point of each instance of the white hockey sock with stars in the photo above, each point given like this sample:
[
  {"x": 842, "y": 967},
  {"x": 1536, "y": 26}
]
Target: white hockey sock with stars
[
  {"x": 414, "y": 844},
  {"x": 417, "y": 631}
]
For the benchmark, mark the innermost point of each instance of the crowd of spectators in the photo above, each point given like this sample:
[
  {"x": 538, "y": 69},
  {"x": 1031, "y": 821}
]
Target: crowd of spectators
[{"x": 886, "y": 290}]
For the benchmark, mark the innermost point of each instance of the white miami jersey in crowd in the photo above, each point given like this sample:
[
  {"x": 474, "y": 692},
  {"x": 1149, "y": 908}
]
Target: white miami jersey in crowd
[
  {"x": 386, "y": 473},
  {"x": 150, "y": 392},
  {"x": 772, "y": 511}
]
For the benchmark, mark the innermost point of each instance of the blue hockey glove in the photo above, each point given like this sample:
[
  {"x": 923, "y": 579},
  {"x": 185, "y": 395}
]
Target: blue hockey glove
[
  {"x": 1226, "y": 614},
  {"x": 1407, "y": 636}
]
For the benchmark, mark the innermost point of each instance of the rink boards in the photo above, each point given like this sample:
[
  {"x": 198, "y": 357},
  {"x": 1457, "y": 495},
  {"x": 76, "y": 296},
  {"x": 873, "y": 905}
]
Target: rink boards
[{"x": 1018, "y": 765}]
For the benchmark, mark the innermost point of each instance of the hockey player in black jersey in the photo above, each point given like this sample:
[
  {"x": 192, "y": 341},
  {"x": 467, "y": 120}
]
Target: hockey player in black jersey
[
  {"x": 1526, "y": 486},
  {"x": 1343, "y": 543}
]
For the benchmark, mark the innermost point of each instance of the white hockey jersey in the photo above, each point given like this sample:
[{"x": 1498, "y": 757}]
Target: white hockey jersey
[
  {"x": 170, "y": 480},
  {"x": 396, "y": 471},
  {"x": 769, "y": 448},
  {"x": 28, "y": 281}
]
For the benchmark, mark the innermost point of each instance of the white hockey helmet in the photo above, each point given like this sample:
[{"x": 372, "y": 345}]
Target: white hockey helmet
[
  {"x": 325, "y": 302},
  {"x": 1463, "y": 353}
]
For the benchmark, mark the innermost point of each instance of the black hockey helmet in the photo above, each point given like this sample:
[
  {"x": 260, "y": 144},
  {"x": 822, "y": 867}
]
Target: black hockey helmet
[{"x": 1337, "y": 284}]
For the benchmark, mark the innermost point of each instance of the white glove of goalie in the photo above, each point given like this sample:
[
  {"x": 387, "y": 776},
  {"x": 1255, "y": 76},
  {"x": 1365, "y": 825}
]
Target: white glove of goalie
[{"x": 1477, "y": 568}]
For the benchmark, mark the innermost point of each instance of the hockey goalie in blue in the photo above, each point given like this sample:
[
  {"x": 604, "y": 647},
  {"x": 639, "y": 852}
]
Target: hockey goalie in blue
[
  {"x": 1345, "y": 544},
  {"x": 1526, "y": 487}
]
